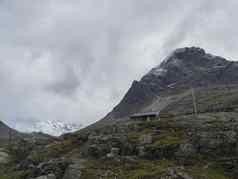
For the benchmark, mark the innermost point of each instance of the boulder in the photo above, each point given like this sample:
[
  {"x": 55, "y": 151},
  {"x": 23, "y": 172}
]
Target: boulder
[
  {"x": 45, "y": 169},
  {"x": 73, "y": 172},
  {"x": 186, "y": 153},
  {"x": 4, "y": 157},
  {"x": 141, "y": 151},
  {"x": 114, "y": 152},
  {"x": 146, "y": 139},
  {"x": 175, "y": 173},
  {"x": 98, "y": 150},
  {"x": 49, "y": 176}
]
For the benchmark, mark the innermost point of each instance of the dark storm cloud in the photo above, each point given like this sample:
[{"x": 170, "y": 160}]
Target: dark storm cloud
[{"x": 74, "y": 60}]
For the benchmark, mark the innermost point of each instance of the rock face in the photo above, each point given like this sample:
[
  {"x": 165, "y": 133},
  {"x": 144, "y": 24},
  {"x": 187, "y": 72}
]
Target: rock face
[{"x": 184, "y": 68}]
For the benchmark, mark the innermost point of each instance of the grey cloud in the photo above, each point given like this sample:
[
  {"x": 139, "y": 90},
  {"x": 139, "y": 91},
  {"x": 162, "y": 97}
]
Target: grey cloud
[
  {"x": 67, "y": 84},
  {"x": 74, "y": 60}
]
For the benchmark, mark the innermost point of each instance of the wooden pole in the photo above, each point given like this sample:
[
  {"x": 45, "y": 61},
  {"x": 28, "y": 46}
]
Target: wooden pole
[
  {"x": 194, "y": 102},
  {"x": 10, "y": 137}
]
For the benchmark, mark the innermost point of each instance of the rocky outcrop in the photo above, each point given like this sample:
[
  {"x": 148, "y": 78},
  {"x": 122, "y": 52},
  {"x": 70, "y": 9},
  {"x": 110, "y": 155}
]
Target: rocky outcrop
[{"x": 73, "y": 171}]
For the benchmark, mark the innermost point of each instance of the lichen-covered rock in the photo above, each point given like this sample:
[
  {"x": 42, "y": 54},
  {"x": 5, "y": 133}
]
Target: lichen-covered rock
[
  {"x": 175, "y": 173},
  {"x": 73, "y": 171},
  {"x": 186, "y": 153},
  {"x": 146, "y": 139},
  {"x": 114, "y": 153},
  {"x": 49, "y": 176},
  {"x": 4, "y": 157}
]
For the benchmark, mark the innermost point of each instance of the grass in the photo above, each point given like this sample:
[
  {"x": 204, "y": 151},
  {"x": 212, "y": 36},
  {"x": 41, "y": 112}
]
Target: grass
[
  {"x": 211, "y": 172},
  {"x": 128, "y": 170},
  {"x": 171, "y": 136},
  {"x": 15, "y": 175},
  {"x": 55, "y": 149}
]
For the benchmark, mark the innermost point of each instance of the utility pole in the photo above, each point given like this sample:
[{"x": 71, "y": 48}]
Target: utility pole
[
  {"x": 10, "y": 137},
  {"x": 194, "y": 102}
]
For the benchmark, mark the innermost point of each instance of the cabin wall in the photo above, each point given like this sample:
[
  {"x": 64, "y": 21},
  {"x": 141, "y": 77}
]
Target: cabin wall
[{"x": 146, "y": 118}]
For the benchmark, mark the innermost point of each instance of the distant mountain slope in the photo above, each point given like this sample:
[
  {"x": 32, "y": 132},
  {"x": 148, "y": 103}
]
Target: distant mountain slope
[
  {"x": 4, "y": 131},
  {"x": 182, "y": 69}
]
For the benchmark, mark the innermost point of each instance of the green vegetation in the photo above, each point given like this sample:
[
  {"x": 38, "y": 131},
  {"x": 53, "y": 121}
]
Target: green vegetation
[
  {"x": 15, "y": 175},
  {"x": 209, "y": 172},
  {"x": 53, "y": 150},
  {"x": 19, "y": 150},
  {"x": 135, "y": 135},
  {"x": 126, "y": 170},
  {"x": 171, "y": 136}
]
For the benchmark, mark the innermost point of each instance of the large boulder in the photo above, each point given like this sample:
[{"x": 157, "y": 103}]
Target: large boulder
[
  {"x": 49, "y": 176},
  {"x": 73, "y": 171},
  {"x": 4, "y": 157},
  {"x": 175, "y": 173},
  {"x": 114, "y": 153},
  {"x": 186, "y": 153}
]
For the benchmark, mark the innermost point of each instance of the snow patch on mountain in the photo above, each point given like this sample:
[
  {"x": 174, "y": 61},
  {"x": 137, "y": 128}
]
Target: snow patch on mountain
[
  {"x": 52, "y": 127},
  {"x": 158, "y": 71},
  {"x": 55, "y": 127}
]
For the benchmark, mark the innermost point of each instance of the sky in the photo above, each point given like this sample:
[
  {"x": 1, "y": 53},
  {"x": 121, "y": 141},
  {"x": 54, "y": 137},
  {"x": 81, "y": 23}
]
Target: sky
[{"x": 73, "y": 60}]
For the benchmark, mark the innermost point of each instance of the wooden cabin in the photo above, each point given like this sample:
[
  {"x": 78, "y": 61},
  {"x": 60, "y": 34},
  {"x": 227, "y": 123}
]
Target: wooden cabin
[{"x": 147, "y": 116}]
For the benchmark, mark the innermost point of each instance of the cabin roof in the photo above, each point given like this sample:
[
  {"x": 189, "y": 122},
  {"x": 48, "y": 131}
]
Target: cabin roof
[{"x": 145, "y": 114}]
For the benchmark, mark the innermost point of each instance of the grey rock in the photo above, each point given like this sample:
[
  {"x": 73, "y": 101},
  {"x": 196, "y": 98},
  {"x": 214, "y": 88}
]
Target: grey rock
[
  {"x": 146, "y": 139},
  {"x": 73, "y": 171},
  {"x": 4, "y": 157},
  {"x": 49, "y": 176},
  {"x": 114, "y": 153},
  {"x": 186, "y": 150},
  {"x": 175, "y": 173}
]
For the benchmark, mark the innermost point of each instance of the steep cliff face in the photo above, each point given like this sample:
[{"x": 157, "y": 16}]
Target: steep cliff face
[{"x": 182, "y": 69}]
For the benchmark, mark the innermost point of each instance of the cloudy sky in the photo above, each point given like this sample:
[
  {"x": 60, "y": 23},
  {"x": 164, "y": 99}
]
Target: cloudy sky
[{"x": 73, "y": 60}]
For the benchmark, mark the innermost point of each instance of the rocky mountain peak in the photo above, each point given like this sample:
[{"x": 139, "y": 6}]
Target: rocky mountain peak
[
  {"x": 186, "y": 51},
  {"x": 188, "y": 57},
  {"x": 182, "y": 69},
  {"x": 188, "y": 64}
]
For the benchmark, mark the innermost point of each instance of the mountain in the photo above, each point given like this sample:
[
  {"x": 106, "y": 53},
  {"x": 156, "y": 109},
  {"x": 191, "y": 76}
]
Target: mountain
[
  {"x": 182, "y": 69},
  {"x": 5, "y": 131},
  {"x": 181, "y": 144},
  {"x": 55, "y": 127}
]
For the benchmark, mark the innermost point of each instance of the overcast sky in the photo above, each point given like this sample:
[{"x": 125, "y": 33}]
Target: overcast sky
[{"x": 73, "y": 60}]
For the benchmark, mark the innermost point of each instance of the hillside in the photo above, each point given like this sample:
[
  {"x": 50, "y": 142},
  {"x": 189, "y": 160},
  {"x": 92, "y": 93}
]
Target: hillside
[
  {"x": 180, "y": 144},
  {"x": 5, "y": 130}
]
